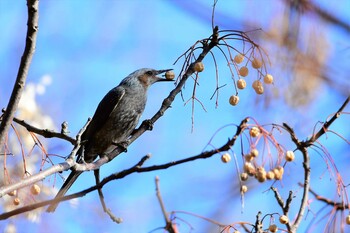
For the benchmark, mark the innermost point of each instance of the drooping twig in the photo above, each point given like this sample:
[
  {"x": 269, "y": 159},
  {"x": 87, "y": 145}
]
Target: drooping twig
[
  {"x": 32, "y": 29},
  {"x": 102, "y": 199}
]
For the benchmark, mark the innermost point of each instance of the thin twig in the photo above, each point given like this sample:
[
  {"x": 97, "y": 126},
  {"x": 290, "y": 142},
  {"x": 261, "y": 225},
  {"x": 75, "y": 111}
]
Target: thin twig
[
  {"x": 102, "y": 199},
  {"x": 334, "y": 204},
  {"x": 47, "y": 133}
]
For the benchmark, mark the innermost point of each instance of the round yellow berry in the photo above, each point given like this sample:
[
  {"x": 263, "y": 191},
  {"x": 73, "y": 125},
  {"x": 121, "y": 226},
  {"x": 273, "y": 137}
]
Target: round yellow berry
[
  {"x": 270, "y": 175},
  {"x": 268, "y": 79},
  {"x": 273, "y": 228},
  {"x": 254, "y": 131},
  {"x": 254, "y": 153},
  {"x": 35, "y": 189},
  {"x": 170, "y": 75},
  {"x": 244, "y": 176},
  {"x": 278, "y": 172},
  {"x": 238, "y": 58},
  {"x": 289, "y": 156},
  {"x": 198, "y": 66},
  {"x": 241, "y": 83},
  {"x": 16, "y": 201},
  {"x": 284, "y": 219},
  {"x": 12, "y": 193},
  {"x": 226, "y": 158},
  {"x": 234, "y": 99},
  {"x": 248, "y": 158},
  {"x": 244, "y": 189},
  {"x": 243, "y": 71},
  {"x": 347, "y": 219},
  {"x": 258, "y": 87},
  {"x": 256, "y": 63},
  {"x": 261, "y": 174},
  {"x": 249, "y": 168}
]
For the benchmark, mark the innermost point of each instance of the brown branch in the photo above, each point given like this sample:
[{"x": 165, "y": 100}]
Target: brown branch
[
  {"x": 326, "y": 125},
  {"x": 47, "y": 133},
  {"x": 306, "y": 165},
  {"x": 119, "y": 175},
  {"x": 32, "y": 23},
  {"x": 336, "y": 205},
  {"x": 64, "y": 166}
]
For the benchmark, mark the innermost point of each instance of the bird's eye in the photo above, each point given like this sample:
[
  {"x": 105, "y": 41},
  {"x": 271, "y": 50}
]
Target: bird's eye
[{"x": 150, "y": 73}]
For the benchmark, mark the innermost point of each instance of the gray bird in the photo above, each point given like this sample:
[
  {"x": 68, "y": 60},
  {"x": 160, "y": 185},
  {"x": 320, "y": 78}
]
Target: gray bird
[{"x": 115, "y": 118}]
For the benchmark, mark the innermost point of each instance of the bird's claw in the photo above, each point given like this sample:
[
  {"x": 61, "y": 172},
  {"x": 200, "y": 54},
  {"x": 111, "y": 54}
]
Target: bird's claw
[
  {"x": 123, "y": 145},
  {"x": 148, "y": 124}
]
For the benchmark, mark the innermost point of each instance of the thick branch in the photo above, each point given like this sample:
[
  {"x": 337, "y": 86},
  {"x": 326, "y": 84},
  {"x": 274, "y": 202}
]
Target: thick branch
[
  {"x": 33, "y": 16},
  {"x": 135, "y": 169}
]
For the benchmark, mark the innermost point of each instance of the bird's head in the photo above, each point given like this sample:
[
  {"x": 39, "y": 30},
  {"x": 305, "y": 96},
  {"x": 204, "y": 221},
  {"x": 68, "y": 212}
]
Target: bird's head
[{"x": 146, "y": 76}]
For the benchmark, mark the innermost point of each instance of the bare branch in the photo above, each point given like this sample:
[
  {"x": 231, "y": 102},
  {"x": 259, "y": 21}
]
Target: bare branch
[
  {"x": 119, "y": 175},
  {"x": 335, "y": 205},
  {"x": 64, "y": 166},
  {"x": 32, "y": 23},
  {"x": 47, "y": 133},
  {"x": 326, "y": 125}
]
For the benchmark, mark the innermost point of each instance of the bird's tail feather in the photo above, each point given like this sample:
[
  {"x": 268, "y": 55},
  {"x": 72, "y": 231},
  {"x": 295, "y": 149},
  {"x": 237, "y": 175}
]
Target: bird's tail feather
[{"x": 67, "y": 184}]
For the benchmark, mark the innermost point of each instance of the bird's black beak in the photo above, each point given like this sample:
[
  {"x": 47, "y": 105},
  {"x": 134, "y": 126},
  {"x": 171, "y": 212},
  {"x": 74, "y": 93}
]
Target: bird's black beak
[{"x": 161, "y": 72}]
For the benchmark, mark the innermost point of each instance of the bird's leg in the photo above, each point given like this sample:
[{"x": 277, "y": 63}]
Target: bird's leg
[
  {"x": 123, "y": 145},
  {"x": 82, "y": 159},
  {"x": 148, "y": 124}
]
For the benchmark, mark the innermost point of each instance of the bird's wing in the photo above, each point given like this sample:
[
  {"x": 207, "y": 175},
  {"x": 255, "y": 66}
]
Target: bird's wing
[{"x": 104, "y": 109}]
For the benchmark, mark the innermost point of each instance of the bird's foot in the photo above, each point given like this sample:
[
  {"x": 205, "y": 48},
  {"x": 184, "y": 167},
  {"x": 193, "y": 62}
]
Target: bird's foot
[
  {"x": 123, "y": 145},
  {"x": 148, "y": 124}
]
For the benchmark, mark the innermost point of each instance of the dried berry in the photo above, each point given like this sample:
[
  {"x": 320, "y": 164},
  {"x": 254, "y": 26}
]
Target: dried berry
[
  {"x": 226, "y": 158},
  {"x": 241, "y": 83},
  {"x": 284, "y": 219},
  {"x": 238, "y": 58},
  {"x": 170, "y": 75},
  {"x": 289, "y": 156},
  {"x": 199, "y": 66},
  {"x": 268, "y": 79},
  {"x": 35, "y": 189},
  {"x": 234, "y": 99},
  {"x": 256, "y": 63},
  {"x": 243, "y": 71}
]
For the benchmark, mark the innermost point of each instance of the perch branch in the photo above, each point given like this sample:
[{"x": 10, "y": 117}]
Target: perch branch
[{"x": 135, "y": 169}]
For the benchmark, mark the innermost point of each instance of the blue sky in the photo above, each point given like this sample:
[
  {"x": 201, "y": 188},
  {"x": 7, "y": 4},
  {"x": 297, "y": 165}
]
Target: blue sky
[{"x": 87, "y": 47}]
